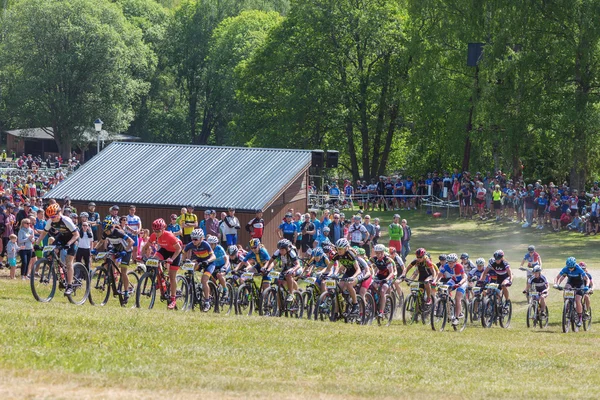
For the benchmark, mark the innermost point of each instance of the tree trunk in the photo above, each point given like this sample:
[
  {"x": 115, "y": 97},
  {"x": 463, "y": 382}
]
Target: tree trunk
[
  {"x": 467, "y": 150},
  {"x": 388, "y": 140},
  {"x": 375, "y": 161}
]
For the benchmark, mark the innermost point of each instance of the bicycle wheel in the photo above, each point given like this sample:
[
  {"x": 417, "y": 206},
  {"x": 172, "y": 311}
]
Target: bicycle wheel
[
  {"x": 269, "y": 303},
  {"x": 388, "y": 311},
  {"x": 439, "y": 314},
  {"x": 475, "y": 310},
  {"x": 532, "y": 314},
  {"x": 244, "y": 300},
  {"x": 307, "y": 300},
  {"x": 587, "y": 319},
  {"x": 99, "y": 287},
  {"x": 80, "y": 284},
  {"x": 543, "y": 319},
  {"x": 506, "y": 314},
  {"x": 226, "y": 300},
  {"x": 408, "y": 312},
  {"x": 43, "y": 280},
  {"x": 487, "y": 312},
  {"x": 370, "y": 308},
  {"x": 325, "y": 307},
  {"x": 355, "y": 318},
  {"x": 398, "y": 302},
  {"x": 182, "y": 292},
  {"x": 145, "y": 293},
  {"x": 566, "y": 317},
  {"x": 296, "y": 306},
  {"x": 117, "y": 283},
  {"x": 425, "y": 310},
  {"x": 462, "y": 317}
]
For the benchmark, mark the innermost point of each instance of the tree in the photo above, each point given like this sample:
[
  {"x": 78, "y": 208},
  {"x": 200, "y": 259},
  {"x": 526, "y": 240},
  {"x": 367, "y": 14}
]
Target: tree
[{"x": 67, "y": 62}]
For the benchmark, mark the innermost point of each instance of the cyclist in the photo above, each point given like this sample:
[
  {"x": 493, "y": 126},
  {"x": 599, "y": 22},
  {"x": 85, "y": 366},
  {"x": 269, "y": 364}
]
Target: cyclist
[
  {"x": 467, "y": 264},
  {"x": 116, "y": 241},
  {"x": 134, "y": 227},
  {"x": 113, "y": 214},
  {"x": 577, "y": 280},
  {"x": 366, "y": 275},
  {"x": 259, "y": 256},
  {"x": 290, "y": 265},
  {"x": 320, "y": 266},
  {"x": 347, "y": 260},
  {"x": 586, "y": 298},
  {"x": 288, "y": 229},
  {"x": 385, "y": 271},
  {"x": 170, "y": 251},
  {"x": 65, "y": 235},
  {"x": 399, "y": 269},
  {"x": 222, "y": 264},
  {"x": 532, "y": 258},
  {"x": 426, "y": 269},
  {"x": 498, "y": 268},
  {"x": 442, "y": 261},
  {"x": 540, "y": 283},
  {"x": 453, "y": 274},
  {"x": 201, "y": 252},
  {"x": 475, "y": 274},
  {"x": 233, "y": 253}
]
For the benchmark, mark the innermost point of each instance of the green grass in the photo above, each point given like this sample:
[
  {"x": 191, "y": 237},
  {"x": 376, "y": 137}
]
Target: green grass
[{"x": 110, "y": 352}]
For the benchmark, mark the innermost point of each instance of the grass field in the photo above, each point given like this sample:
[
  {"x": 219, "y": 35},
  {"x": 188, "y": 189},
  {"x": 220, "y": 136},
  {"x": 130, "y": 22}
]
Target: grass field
[{"x": 58, "y": 350}]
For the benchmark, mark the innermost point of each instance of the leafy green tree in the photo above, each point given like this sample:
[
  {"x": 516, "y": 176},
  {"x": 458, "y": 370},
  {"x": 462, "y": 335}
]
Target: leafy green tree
[{"x": 67, "y": 62}]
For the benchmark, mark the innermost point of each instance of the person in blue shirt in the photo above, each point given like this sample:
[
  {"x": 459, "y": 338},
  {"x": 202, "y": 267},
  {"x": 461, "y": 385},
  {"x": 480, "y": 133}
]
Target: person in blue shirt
[
  {"x": 322, "y": 238},
  {"x": 288, "y": 229},
  {"x": 577, "y": 280},
  {"x": 222, "y": 266},
  {"x": 259, "y": 256},
  {"x": 174, "y": 227}
]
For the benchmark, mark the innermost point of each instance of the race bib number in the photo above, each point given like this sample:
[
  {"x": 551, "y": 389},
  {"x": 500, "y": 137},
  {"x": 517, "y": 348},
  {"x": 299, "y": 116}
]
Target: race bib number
[
  {"x": 274, "y": 274},
  {"x": 153, "y": 262},
  {"x": 48, "y": 248},
  {"x": 569, "y": 294},
  {"x": 101, "y": 256},
  {"x": 492, "y": 286},
  {"x": 310, "y": 280},
  {"x": 414, "y": 286},
  {"x": 247, "y": 275},
  {"x": 329, "y": 284},
  {"x": 189, "y": 266}
]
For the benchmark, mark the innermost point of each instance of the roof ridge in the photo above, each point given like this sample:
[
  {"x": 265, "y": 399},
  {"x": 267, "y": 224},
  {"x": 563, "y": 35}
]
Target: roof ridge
[{"x": 115, "y": 143}]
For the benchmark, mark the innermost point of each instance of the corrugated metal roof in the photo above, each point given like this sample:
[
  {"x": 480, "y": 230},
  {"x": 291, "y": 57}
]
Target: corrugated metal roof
[
  {"x": 179, "y": 175},
  {"x": 89, "y": 134}
]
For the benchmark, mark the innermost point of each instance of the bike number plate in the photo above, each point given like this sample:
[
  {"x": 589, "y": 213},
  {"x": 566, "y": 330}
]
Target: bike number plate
[
  {"x": 444, "y": 288},
  {"x": 274, "y": 274},
  {"x": 247, "y": 275},
  {"x": 492, "y": 286},
  {"x": 329, "y": 284},
  {"x": 310, "y": 280},
  {"x": 476, "y": 290},
  {"x": 153, "y": 262},
  {"x": 533, "y": 293},
  {"x": 101, "y": 256},
  {"x": 188, "y": 266},
  {"x": 48, "y": 248},
  {"x": 569, "y": 294},
  {"x": 414, "y": 286}
]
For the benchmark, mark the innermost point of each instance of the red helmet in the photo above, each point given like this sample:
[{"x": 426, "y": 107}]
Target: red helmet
[
  {"x": 421, "y": 252},
  {"x": 52, "y": 210},
  {"x": 159, "y": 225},
  {"x": 392, "y": 250}
]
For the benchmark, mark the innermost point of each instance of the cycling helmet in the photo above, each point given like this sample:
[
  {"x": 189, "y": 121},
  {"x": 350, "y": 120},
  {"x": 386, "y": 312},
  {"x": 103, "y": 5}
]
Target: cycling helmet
[
  {"x": 420, "y": 252},
  {"x": 52, "y": 210},
  {"x": 452, "y": 257},
  {"x": 73, "y": 215},
  {"x": 212, "y": 239},
  {"x": 361, "y": 252},
  {"x": 442, "y": 257},
  {"x": 537, "y": 268},
  {"x": 108, "y": 224},
  {"x": 379, "y": 247},
  {"x": 392, "y": 250},
  {"x": 159, "y": 225},
  {"x": 464, "y": 256},
  {"x": 571, "y": 262},
  {"x": 318, "y": 252},
  {"x": 231, "y": 250},
  {"x": 196, "y": 234},
  {"x": 342, "y": 243},
  {"x": 582, "y": 265},
  {"x": 328, "y": 249},
  {"x": 326, "y": 229},
  {"x": 284, "y": 244},
  {"x": 498, "y": 255},
  {"x": 480, "y": 261},
  {"x": 531, "y": 248},
  {"x": 84, "y": 215},
  {"x": 254, "y": 243}
]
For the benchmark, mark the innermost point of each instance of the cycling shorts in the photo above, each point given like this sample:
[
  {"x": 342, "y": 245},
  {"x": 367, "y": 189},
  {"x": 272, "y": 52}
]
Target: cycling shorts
[
  {"x": 71, "y": 250},
  {"x": 163, "y": 254},
  {"x": 220, "y": 270},
  {"x": 366, "y": 283},
  {"x": 125, "y": 260},
  {"x": 578, "y": 289}
]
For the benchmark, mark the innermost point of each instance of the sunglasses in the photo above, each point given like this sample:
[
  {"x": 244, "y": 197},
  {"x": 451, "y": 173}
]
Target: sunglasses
[
  {"x": 25, "y": 223},
  {"x": 195, "y": 240},
  {"x": 156, "y": 230}
]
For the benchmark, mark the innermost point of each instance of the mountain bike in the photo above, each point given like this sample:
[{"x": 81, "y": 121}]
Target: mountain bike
[
  {"x": 569, "y": 314},
  {"x": 50, "y": 272},
  {"x": 389, "y": 306},
  {"x": 310, "y": 297},
  {"x": 248, "y": 297},
  {"x": 276, "y": 300},
  {"x": 156, "y": 278},
  {"x": 494, "y": 308},
  {"x": 587, "y": 313},
  {"x": 414, "y": 305},
  {"x": 398, "y": 298},
  {"x": 195, "y": 291},
  {"x": 535, "y": 315},
  {"x": 335, "y": 304},
  {"x": 107, "y": 278},
  {"x": 444, "y": 309},
  {"x": 475, "y": 302}
]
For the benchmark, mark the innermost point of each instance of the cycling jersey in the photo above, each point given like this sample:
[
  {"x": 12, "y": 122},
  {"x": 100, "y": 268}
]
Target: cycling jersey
[
  {"x": 166, "y": 241},
  {"x": 500, "y": 269},
  {"x": 319, "y": 265},
  {"x": 261, "y": 258},
  {"x": 288, "y": 229},
  {"x": 384, "y": 266},
  {"x": 347, "y": 261},
  {"x": 469, "y": 266},
  {"x": 532, "y": 258},
  {"x": 219, "y": 255},
  {"x": 288, "y": 260},
  {"x": 395, "y": 232},
  {"x": 117, "y": 240},
  {"x": 62, "y": 230},
  {"x": 452, "y": 274},
  {"x": 201, "y": 252},
  {"x": 539, "y": 284},
  {"x": 575, "y": 278},
  {"x": 426, "y": 268},
  {"x": 475, "y": 273},
  {"x": 256, "y": 227},
  {"x": 134, "y": 222},
  {"x": 356, "y": 232}
]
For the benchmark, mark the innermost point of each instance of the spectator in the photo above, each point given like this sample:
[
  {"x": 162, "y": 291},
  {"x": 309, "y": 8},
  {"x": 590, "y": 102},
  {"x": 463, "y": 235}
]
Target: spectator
[
  {"x": 94, "y": 221},
  {"x": 256, "y": 225},
  {"x": 25, "y": 242},
  {"x": 212, "y": 224},
  {"x": 174, "y": 227},
  {"x": 188, "y": 221},
  {"x": 406, "y": 236},
  {"x": 371, "y": 235},
  {"x": 337, "y": 228},
  {"x": 288, "y": 229},
  {"x": 308, "y": 233},
  {"x": 396, "y": 233},
  {"x": 86, "y": 238},
  {"x": 11, "y": 254},
  {"x": 529, "y": 201},
  {"x": 575, "y": 225},
  {"x": 357, "y": 233},
  {"x": 377, "y": 231},
  {"x": 231, "y": 226},
  {"x": 202, "y": 224}
]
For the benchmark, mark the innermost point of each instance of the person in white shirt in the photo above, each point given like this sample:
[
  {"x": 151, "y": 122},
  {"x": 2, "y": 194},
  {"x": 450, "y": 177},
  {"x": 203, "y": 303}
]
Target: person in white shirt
[{"x": 86, "y": 237}]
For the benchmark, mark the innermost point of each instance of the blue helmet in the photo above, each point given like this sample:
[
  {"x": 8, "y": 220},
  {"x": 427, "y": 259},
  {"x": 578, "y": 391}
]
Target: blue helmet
[
  {"x": 318, "y": 252},
  {"x": 571, "y": 262}
]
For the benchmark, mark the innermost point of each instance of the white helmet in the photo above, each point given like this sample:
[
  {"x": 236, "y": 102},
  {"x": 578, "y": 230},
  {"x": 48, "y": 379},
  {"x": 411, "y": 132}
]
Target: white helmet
[
  {"x": 197, "y": 234},
  {"x": 480, "y": 261},
  {"x": 212, "y": 239},
  {"x": 452, "y": 257},
  {"x": 379, "y": 247}
]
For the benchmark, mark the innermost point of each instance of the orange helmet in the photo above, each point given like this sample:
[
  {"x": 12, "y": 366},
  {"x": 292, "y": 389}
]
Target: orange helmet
[{"x": 52, "y": 210}]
